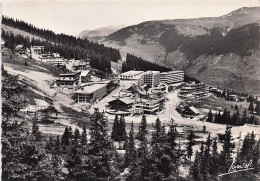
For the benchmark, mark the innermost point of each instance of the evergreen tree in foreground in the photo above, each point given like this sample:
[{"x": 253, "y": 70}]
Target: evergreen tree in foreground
[
  {"x": 122, "y": 131},
  {"x": 195, "y": 168},
  {"x": 142, "y": 132},
  {"x": 190, "y": 144},
  {"x": 130, "y": 155},
  {"x": 210, "y": 116},
  {"x": 251, "y": 107},
  {"x": 225, "y": 155},
  {"x": 115, "y": 129}
]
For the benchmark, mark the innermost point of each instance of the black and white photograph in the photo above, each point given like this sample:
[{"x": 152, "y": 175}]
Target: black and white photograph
[{"x": 130, "y": 90}]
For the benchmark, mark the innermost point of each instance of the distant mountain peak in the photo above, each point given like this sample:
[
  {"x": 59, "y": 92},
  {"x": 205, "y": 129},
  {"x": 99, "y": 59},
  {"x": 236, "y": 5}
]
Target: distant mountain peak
[
  {"x": 100, "y": 32},
  {"x": 244, "y": 11}
]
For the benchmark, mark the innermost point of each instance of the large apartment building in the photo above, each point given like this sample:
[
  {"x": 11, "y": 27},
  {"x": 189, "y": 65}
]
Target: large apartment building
[
  {"x": 90, "y": 93},
  {"x": 193, "y": 90},
  {"x": 172, "y": 77},
  {"x": 152, "y": 78},
  {"x": 135, "y": 77}
]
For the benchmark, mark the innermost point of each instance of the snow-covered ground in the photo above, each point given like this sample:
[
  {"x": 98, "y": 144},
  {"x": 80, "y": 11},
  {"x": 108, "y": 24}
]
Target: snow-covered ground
[
  {"x": 63, "y": 97},
  {"x": 40, "y": 80}
]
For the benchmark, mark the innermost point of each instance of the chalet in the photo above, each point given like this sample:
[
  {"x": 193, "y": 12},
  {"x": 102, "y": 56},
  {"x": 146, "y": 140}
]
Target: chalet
[
  {"x": 37, "y": 49},
  {"x": 233, "y": 97},
  {"x": 191, "y": 111},
  {"x": 85, "y": 76},
  {"x": 121, "y": 104},
  {"x": 20, "y": 49},
  {"x": 68, "y": 80}
]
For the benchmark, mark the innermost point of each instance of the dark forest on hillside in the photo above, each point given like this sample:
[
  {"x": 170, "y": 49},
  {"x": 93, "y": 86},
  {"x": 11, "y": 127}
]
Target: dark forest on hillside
[
  {"x": 69, "y": 47},
  {"x": 136, "y": 63}
]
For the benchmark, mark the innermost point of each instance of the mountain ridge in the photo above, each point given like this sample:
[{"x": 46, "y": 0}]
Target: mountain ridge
[
  {"x": 182, "y": 43},
  {"x": 98, "y": 33}
]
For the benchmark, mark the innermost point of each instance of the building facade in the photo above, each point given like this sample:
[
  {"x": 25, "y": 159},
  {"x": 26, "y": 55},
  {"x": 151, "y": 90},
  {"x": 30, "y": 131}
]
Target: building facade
[
  {"x": 90, "y": 93},
  {"x": 68, "y": 80},
  {"x": 120, "y": 104},
  {"x": 135, "y": 77},
  {"x": 193, "y": 90},
  {"x": 172, "y": 77},
  {"x": 37, "y": 49},
  {"x": 152, "y": 78},
  {"x": 85, "y": 76}
]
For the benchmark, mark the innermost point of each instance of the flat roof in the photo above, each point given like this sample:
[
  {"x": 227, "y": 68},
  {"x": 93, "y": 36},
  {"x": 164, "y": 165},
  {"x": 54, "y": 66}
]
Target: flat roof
[
  {"x": 132, "y": 73},
  {"x": 69, "y": 74},
  {"x": 90, "y": 88},
  {"x": 173, "y": 71},
  {"x": 150, "y": 72}
]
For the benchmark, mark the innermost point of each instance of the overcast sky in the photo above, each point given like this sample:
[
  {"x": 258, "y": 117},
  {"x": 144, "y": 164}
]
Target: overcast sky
[{"x": 73, "y": 16}]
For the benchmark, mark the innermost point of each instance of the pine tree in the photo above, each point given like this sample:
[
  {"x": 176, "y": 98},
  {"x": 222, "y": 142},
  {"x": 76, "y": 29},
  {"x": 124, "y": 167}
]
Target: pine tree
[
  {"x": 251, "y": 107},
  {"x": 35, "y": 131},
  {"x": 70, "y": 132},
  {"x": 257, "y": 108},
  {"x": 76, "y": 135},
  {"x": 115, "y": 129},
  {"x": 157, "y": 134},
  {"x": 214, "y": 159},
  {"x": 98, "y": 133},
  {"x": 206, "y": 160},
  {"x": 216, "y": 118},
  {"x": 172, "y": 135},
  {"x": 49, "y": 144},
  {"x": 246, "y": 152},
  {"x": 130, "y": 155},
  {"x": 234, "y": 119},
  {"x": 99, "y": 146},
  {"x": 210, "y": 116},
  {"x": 195, "y": 168},
  {"x": 65, "y": 139},
  {"x": 57, "y": 145},
  {"x": 244, "y": 118},
  {"x": 204, "y": 128},
  {"x": 142, "y": 132},
  {"x": 256, "y": 157},
  {"x": 122, "y": 131},
  {"x": 190, "y": 144},
  {"x": 84, "y": 137},
  {"x": 143, "y": 155},
  {"x": 225, "y": 155}
]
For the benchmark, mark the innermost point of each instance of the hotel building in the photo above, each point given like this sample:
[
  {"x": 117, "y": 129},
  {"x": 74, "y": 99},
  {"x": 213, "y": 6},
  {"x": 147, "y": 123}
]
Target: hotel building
[{"x": 172, "y": 77}]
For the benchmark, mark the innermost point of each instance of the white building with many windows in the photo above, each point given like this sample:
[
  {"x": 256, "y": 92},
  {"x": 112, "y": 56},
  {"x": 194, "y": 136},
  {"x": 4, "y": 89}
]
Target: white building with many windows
[
  {"x": 152, "y": 78},
  {"x": 172, "y": 77},
  {"x": 193, "y": 90},
  {"x": 90, "y": 93},
  {"x": 135, "y": 77}
]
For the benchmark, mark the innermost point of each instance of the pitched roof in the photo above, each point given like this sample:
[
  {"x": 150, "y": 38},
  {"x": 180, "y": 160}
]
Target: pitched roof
[
  {"x": 85, "y": 73},
  {"x": 124, "y": 100},
  {"x": 196, "y": 111}
]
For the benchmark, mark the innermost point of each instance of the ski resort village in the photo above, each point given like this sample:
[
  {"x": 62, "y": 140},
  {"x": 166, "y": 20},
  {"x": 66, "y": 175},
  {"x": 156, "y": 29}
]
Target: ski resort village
[{"x": 85, "y": 111}]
